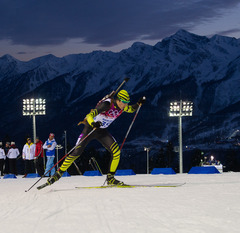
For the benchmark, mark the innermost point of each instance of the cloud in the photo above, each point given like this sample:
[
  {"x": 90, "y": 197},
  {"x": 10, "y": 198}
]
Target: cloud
[
  {"x": 227, "y": 32},
  {"x": 20, "y": 53},
  {"x": 106, "y": 23}
]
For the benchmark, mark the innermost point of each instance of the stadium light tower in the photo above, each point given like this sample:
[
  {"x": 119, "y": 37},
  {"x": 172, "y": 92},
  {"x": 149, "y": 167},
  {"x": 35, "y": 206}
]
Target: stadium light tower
[
  {"x": 180, "y": 109},
  {"x": 147, "y": 149},
  {"x": 34, "y": 107}
]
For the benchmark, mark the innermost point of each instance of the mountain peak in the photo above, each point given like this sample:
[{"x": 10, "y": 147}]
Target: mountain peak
[
  {"x": 138, "y": 44},
  {"x": 182, "y": 32},
  {"x": 8, "y": 58}
]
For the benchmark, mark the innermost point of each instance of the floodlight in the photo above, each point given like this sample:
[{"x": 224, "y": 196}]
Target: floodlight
[{"x": 34, "y": 107}]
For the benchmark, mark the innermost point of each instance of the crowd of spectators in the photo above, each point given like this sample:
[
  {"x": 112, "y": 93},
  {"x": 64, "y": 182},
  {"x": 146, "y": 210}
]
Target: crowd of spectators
[{"x": 32, "y": 155}]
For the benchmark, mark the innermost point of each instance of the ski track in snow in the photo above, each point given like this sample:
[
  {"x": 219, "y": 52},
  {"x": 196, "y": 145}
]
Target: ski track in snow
[{"x": 206, "y": 203}]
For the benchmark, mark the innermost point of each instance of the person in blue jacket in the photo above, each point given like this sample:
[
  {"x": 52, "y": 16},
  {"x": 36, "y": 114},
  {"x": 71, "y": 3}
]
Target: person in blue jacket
[{"x": 50, "y": 145}]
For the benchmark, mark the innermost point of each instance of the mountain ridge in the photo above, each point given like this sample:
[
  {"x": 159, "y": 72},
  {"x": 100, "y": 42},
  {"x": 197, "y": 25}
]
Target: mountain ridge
[{"x": 184, "y": 65}]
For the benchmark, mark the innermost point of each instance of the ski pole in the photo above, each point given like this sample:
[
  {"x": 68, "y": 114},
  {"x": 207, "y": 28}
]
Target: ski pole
[
  {"x": 114, "y": 92},
  {"x": 80, "y": 173},
  {"x": 96, "y": 164},
  {"x": 62, "y": 158},
  {"x": 93, "y": 164},
  {"x": 130, "y": 127},
  {"x": 90, "y": 163},
  {"x": 124, "y": 81}
]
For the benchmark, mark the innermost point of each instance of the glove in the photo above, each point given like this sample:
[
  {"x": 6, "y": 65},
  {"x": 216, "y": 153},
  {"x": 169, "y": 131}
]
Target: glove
[
  {"x": 141, "y": 100},
  {"x": 97, "y": 124}
]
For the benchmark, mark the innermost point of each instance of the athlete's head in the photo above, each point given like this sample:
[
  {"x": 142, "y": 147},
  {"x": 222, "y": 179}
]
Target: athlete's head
[
  {"x": 123, "y": 96},
  {"x": 122, "y": 99}
]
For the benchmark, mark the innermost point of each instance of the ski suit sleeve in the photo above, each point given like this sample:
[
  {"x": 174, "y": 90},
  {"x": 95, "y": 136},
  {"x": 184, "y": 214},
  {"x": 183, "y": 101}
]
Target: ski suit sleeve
[
  {"x": 53, "y": 146},
  {"x": 45, "y": 145},
  {"x": 37, "y": 150},
  {"x": 131, "y": 108},
  {"x": 3, "y": 154},
  {"x": 102, "y": 107},
  {"x": 23, "y": 152},
  {"x": 9, "y": 153}
]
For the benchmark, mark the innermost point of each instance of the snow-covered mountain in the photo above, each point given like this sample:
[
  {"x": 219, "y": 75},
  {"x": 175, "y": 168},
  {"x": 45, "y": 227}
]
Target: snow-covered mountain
[{"x": 182, "y": 66}]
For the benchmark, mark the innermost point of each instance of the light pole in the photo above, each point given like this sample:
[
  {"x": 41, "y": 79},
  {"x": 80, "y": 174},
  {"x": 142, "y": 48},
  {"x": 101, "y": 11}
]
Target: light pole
[
  {"x": 65, "y": 134},
  {"x": 147, "y": 149},
  {"x": 33, "y": 107},
  {"x": 58, "y": 147},
  {"x": 179, "y": 109}
]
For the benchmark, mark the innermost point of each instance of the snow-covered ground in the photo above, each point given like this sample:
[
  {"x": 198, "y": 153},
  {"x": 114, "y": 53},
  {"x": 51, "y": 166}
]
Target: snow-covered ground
[{"x": 206, "y": 203}]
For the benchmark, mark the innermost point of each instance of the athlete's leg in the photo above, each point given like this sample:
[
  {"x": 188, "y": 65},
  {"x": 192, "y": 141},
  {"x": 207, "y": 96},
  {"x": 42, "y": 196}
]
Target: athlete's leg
[
  {"x": 108, "y": 141},
  {"x": 79, "y": 149}
]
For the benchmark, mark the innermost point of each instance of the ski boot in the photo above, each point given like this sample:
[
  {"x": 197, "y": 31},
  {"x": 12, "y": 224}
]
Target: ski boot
[
  {"x": 55, "y": 177},
  {"x": 112, "y": 181}
]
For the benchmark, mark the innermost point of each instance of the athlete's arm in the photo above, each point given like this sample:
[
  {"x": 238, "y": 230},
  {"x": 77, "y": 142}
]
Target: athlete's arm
[
  {"x": 131, "y": 108},
  {"x": 102, "y": 107}
]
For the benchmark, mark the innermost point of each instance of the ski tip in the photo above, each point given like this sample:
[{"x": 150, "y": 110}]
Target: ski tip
[
  {"x": 42, "y": 186},
  {"x": 126, "y": 79}
]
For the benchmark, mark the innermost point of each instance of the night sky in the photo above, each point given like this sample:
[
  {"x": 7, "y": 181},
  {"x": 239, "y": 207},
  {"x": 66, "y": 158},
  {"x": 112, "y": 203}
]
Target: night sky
[{"x": 33, "y": 28}]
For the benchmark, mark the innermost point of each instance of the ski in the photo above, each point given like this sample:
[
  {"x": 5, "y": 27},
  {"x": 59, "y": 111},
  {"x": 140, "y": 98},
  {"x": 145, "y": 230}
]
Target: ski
[
  {"x": 170, "y": 185},
  {"x": 43, "y": 186}
]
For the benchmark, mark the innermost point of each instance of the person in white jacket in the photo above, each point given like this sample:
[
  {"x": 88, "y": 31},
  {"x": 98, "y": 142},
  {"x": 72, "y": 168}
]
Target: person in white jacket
[
  {"x": 2, "y": 158},
  {"x": 28, "y": 154},
  {"x": 12, "y": 155}
]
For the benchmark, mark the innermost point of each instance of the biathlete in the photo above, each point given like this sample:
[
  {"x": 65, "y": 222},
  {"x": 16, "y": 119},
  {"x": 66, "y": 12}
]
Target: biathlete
[{"x": 100, "y": 118}]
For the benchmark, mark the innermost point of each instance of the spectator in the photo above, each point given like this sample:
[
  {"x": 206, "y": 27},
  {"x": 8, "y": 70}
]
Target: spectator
[
  {"x": 6, "y": 149},
  {"x": 50, "y": 145},
  {"x": 38, "y": 159},
  {"x": 28, "y": 154},
  {"x": 12, "y": 155},
  {"x": 2, "y": 158}
]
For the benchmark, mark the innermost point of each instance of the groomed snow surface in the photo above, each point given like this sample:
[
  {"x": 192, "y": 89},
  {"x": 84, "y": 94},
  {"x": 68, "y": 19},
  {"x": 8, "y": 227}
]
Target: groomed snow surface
[{"x": 206, "y": 203}]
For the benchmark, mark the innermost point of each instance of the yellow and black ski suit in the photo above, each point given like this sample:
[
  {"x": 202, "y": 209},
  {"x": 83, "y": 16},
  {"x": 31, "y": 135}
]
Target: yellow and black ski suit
[{"x": 106, "y": 112}]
